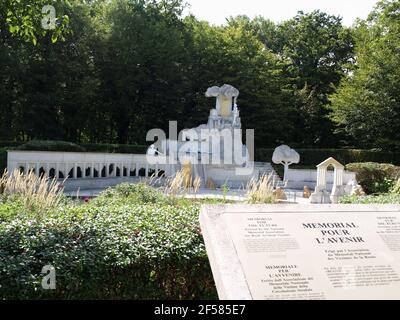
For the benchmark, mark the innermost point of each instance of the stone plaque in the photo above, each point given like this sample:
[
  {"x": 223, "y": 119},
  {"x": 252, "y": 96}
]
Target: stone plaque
[{"x": 303, "y": 252}]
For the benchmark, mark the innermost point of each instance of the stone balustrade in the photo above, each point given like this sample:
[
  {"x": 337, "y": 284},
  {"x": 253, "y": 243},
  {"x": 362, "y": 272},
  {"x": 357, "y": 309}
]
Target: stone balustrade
[{"x": 81, "y": 165}]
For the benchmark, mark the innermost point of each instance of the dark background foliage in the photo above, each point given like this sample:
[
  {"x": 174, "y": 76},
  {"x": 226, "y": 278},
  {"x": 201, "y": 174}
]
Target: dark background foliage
[{"x": 119, "y": 68}]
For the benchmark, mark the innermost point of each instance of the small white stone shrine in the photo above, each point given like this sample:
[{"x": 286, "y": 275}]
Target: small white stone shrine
[{"x": 321, "y": 194}]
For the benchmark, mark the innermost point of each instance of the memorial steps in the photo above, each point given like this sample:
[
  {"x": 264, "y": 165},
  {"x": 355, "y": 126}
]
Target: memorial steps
[{"x": 266, "y": 168}]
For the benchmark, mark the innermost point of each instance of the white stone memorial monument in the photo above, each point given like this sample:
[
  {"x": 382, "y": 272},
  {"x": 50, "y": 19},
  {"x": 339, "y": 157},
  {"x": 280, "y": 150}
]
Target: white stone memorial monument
[
  {"x": 321, "y": 194},
  {"x": 215, "y": 149}
]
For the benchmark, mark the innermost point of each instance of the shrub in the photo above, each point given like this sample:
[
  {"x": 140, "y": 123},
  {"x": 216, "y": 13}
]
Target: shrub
[
  {"x": 375, "y": 177},
  {"x": 48, "y": 145},
  {"x": 262, "y": 190},
  {"x": 38, "y": 194},
  {"x": 3, "y": 160},
  {"x": 131, "y": 193},
  {"x": 380, "y": 199},
  {"x": 114, "y": 148},
  {"x": 396, "y": 187},
  {"x": 10, "y": 207},
  {"x": 10, "y": 144},
  {"x": 313, "y": 157},
  {"x": 108, "y": 250},
  {"x": 180, "y": 182}
]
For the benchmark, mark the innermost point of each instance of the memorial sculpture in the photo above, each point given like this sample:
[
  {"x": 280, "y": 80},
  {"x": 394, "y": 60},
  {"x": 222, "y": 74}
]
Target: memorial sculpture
[
  {"x": 354, "y": 189},
  {"x": 286, "y": 156},
  {"x": 215, "y": 149},
  {"x": 321, "y": 195},
  {"x": 306, "y": 192},
  {"x": 207, "y": 140}
]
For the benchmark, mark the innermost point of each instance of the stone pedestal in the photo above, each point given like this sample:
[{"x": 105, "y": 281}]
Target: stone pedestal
[{"x": 320, "y": 196}]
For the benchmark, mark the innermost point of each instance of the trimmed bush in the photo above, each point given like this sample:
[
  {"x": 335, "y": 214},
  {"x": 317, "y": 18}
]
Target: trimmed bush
[
  {"x": 10, "y": 144},
  {"x": 115, "y": 148},
  {"x": 47, "y": 145},
  {"x": 313, "y": 157},
  {"x": 375, "y": 177},
  {"x": 144, "y": 249}
]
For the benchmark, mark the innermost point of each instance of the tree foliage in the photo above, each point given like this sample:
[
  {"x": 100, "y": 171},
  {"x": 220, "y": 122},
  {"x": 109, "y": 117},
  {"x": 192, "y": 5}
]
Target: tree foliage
[
  {"x": 25, "y": 18},
  {"x": 367, "y": 104},
  {"x": 127, "y": 66}
]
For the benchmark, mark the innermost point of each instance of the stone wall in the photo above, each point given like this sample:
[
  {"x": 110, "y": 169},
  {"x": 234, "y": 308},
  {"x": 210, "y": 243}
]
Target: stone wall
[{"x": 298, "y": 178}]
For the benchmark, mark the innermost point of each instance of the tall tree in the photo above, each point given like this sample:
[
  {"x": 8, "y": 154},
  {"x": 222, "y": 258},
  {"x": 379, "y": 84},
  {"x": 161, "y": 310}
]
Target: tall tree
[
  {"x": 319, "y": 49},
  {"x": 367, "y": 104},
  {"x": 142, "y": 68}
]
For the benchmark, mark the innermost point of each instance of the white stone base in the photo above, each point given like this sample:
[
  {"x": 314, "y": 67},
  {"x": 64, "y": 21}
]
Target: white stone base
[
  {"x": 228, "y": 175},
  {"x": 320, "y": 197}
]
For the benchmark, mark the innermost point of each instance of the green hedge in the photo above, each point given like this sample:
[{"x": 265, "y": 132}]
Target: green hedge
[
  {"x": 375, "y": 177},
  {"x": 50, "y": 145},
  {"x": 313, "y": 157},
  {"x": 115, "y": 148},
  {"x": 140, "y": 245},
  {"x": 10, "y": 144},
  {"x": 3, "y": 160},
  {"x": 44, "y": 145}
]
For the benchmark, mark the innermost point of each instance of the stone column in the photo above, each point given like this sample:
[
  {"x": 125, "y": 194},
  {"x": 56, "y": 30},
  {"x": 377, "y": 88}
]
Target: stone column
[
  {"x": 75, "y": 171},
  {"x": 92, "y": 171},
  {"x": 105, "y": 165},
  {"x": 114, "y": 174},
  {"x": 339, "y": 177},
  {"x": 99, "y": 169},
  {"x": 321, "y": 180},
  {"x": 56, "y": 175}
]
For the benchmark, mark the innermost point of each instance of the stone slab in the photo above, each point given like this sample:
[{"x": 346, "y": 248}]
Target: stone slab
[{"x": 304, "y": 252}]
